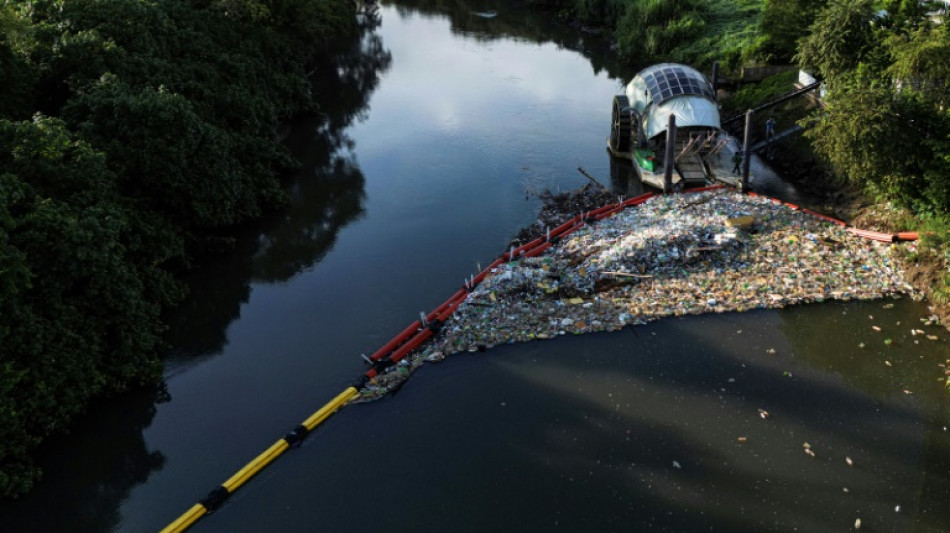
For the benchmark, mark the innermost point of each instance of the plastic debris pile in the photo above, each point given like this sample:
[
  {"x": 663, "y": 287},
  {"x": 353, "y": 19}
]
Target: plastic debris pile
[
  {"x": 568, "y": 203},
  {"x": 671, "y": 256}
]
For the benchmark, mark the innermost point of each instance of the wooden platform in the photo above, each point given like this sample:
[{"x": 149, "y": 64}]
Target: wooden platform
[
  {"x": 691, "y": 168},
  {"x": 656, "y": 180}
]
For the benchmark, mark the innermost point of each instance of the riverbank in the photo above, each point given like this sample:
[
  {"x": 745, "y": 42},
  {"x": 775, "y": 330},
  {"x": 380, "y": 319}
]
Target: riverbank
[
  {"x": 926, "y": 264},
  {"x": 674, "y": 255}
]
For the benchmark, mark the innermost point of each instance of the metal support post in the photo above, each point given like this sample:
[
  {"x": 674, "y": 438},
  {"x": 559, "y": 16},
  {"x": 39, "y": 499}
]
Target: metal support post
[
  {"x": 746, "y": 150},
  {"x": 668, "y": 159},
  {"x": 715, "y": 77}
]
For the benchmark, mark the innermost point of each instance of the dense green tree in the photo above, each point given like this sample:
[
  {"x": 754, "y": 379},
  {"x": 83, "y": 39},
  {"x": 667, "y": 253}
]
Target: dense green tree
[
  {"x": 169, "y": 158},
  {"x": 920, "y": 75},
  {"x": 903, "y": 15},
  {"x": 886, "y": 126},
  {"x": 16, "y": 473},
  {"x": 921, "y": 61},
  {"x": 16, "y": 99},
  {"x": 153, "y": 134},
  {"x": 652, "y": 28},
  {"x": 76, "y": 321},
  {"x": 784, "y": 22},
  {"x": 688, "y": 31},
  {"x": 860, "y": 135},
  {"x": 839, "y": 38}
]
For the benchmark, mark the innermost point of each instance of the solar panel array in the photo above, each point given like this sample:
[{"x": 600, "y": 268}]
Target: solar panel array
[{"x": 666, "y": 82}]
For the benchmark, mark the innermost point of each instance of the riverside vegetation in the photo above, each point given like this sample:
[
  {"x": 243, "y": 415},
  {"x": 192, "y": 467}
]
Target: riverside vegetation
[
  {"x": 133, "y": 137},
  {"x": 885, "y": 125}
]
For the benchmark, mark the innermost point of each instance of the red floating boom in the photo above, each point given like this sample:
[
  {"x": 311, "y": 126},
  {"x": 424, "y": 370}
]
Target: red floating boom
[
  {"x": 396, "y": 341},
  {"x": 411, "y": 345},
  {"x": 826, "y": 218},
  {"x": 637, "y": 200},
  {"x": 539, "y": 250}
]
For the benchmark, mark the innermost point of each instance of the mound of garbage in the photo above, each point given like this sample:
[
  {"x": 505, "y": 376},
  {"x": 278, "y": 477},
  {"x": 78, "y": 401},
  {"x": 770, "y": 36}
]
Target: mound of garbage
[
  {"x": 559, "y": 206},
  {"x": 708, "y": 252}
]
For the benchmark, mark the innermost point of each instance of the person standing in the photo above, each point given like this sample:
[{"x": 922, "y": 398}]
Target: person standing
[
  {"x": 770, "y": 128},
  {"x": 737, "y": 159}
]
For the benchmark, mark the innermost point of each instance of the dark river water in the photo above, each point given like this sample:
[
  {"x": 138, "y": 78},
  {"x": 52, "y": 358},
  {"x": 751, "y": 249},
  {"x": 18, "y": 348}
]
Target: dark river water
[{"x": 429, "y": 167}]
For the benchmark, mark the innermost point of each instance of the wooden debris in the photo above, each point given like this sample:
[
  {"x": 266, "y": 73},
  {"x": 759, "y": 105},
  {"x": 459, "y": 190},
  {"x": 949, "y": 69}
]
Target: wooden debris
[
  {"x": 626, "y": 274},
  {"x": 740, "y": 222}
]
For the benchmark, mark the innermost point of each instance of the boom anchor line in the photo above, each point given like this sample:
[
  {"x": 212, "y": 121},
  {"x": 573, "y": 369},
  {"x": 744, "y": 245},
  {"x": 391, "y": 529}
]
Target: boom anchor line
[{"x": 427, "y": 326}]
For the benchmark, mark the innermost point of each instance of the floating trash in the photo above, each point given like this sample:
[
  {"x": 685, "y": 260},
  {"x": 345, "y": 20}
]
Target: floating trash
[{"x": 673, "y": 255}]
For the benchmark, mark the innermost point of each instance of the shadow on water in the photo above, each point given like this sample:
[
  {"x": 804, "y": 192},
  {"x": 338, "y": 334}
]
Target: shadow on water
[
  {"x": 680, "y": 397},
  {"x": 89, "y": 471},
  {"x": 631, "y": 431},
  {"x": 623, "y": 177},
  {"x": 327, "y": 195}
]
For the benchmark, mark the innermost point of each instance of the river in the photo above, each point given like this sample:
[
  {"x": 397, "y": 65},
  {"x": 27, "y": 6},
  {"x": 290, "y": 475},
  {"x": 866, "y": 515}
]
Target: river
[{"x": 432, "y": 163}]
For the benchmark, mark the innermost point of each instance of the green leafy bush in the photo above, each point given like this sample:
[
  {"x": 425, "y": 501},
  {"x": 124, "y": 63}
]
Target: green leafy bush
[
  {"x": 153, "y": 131},
  {"x": 652, "y": 28},
  {"x": 750, "y": 96}
]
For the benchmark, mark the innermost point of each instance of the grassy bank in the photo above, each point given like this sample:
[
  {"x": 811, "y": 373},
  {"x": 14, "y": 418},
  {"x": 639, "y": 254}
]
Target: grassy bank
[{"x": 687, "y": 31}]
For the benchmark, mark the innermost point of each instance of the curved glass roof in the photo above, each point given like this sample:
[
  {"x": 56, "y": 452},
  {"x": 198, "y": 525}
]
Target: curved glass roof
[{"x": 668, "y": 80}]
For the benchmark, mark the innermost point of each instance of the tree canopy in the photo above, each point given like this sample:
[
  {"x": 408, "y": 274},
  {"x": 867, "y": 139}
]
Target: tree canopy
[
  {"x": 132, "y": 134},
  {"x": 886, "y": 126}
]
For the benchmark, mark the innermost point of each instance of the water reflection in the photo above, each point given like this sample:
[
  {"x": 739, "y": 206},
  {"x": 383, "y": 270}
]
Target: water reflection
[
  {"x": 660, "y": 423},
  {"x": 87, "y": 473},
  {"x": 631, "y": 431},
  {"x": 327, "y": 193},
  {"x": 884, "y": 362},
  {"x": 624, "y": 179},
  {"x": 327, "y": 196},
  {"x": 514, "y": 22}
]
